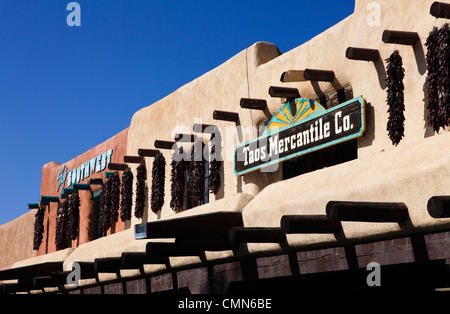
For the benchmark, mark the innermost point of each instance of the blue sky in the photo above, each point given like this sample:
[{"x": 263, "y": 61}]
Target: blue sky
[{"x": 63, "y": 90}]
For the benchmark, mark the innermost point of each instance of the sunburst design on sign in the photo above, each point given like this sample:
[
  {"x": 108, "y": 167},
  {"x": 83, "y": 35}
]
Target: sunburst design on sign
[{"x": 287, "y": 115}]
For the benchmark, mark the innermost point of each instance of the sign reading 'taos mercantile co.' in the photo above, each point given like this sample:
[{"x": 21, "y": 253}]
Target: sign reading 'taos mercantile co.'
[{"x": 299, "y": 127}]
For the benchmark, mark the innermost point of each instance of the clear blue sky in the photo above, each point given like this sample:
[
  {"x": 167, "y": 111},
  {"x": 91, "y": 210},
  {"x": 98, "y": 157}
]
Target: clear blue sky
[{"x": 63, "y": 90}]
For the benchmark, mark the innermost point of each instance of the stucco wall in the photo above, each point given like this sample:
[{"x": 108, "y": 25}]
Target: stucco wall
[{"x": 16, "y": 239}]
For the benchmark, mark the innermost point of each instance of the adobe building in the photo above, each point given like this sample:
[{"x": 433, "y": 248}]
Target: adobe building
[{"x": 311, "y": 187}]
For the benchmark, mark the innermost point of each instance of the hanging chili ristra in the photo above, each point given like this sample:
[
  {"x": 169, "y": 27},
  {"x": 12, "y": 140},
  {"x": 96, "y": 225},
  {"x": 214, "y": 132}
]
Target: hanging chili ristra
[
  {"x": 395, "y": 98},
  {"x": 114, "y": 199},
  {"x": 127, "y": 195},
  {"x": 443, "y": 80},
  {"x": 61, "y": 225},
  {"x": 104, "y": 221},
  {"x": 158, "y": 181},
  {"x": 196, "y": 184},
  {"x": 434, "y": 119},
  {"x": 141, "y": 177},
  {"x": 178, "y": 181},
  {"x": 73, "y": 215},
  {"x": 215, "y": 164},
  {"x": 38, "y": 227}
]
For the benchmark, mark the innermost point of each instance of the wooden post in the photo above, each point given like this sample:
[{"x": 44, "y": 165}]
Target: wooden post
[
  {"x": 137, "y": 259},
  {"x": 292, "y": 76},
  {"x": 189, "y": 138},
  {"x": 117, "y": 167},
  {"x": 164, "y": 144},
  {"x": 255, "y": 235},
  {"x": 399, "y": 37},
  {"x": 169, "y": 249},
  {"x": 256, "y": 104},
  {"x": 440, "y": 10},
  {"x": 204, "y": 128},
  {"x": 366, "y": 211},
  {"x": 133, "y": 159},
  {"x": 319, "y": 75},
  {"x": 439, "y": 206},
  {"x": 225, "y": 116},
  {"x": 208, "y": 243},
  {"x": 284, "y": 92},
  {"x": 363, "y": 54},
  {"x": 147, "y": 152},
  {"x": 309, "y": 224}
]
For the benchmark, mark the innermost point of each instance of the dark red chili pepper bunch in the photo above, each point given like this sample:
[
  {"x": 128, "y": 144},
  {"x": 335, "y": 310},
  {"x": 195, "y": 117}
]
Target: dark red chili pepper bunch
[
  {"x": 115, "y": 199},
  {"x": 178, "y": 181},
  {"x": 438, "y": 77},
  {"x": 158, "y": 181},
  {"x": 38, "y": 227},
  {"x": 104, "y": 221},
  {"x": 141, "y": 177},
  {"x": 196, "y": 185},
  {"x": 395, "y": 98},
  {"x": 127, "y": 195},
  {"x": 434, "y": 117},
  {"x": 443, "y": 80},
  {"x": 73, "y": 215},
  {"x": 215, "y": 163},
  {"x": 61, "y": 235}
]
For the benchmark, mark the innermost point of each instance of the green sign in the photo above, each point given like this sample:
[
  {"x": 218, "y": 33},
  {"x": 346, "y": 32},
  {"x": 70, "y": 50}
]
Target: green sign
[{"x": 299, "y": 127}]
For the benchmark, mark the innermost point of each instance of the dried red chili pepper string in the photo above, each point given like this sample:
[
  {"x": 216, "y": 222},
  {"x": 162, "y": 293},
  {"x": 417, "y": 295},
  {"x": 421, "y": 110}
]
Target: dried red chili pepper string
[{"x": 158, "y": 181}]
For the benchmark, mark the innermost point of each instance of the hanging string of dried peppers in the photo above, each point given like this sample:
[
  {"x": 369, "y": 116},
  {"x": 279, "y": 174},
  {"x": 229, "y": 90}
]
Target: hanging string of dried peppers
[
  {"x": 158, "y": 181},
  {"x": 38, "y": 227},
  {"x": 443, "y": 80},
  {"x": 395, "y": 98},
  {"x": 115, "y": 199},
  {"x": 215, "y": 163},
  {"x": 434, "y": 118},
  {"x": 61, "y": 235},
  {"x": 178, "y": 181},
  {"x": 73, "y": 214},
  {"x": 196, "y": 186},
  {"x": 141, "y": 177},
  {"x": 127, "y": 195},
  {"x": 104, "y": 221}
]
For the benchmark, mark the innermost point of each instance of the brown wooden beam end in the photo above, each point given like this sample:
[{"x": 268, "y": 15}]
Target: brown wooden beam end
[
  {"x": 255, "y": 235},
  {"x": 165, "y": 144},
  {"x": 439, "y": 206},
  {"x": 400, "y": 37},
  {"x": 284, "y": 92},
  {"x": 117, "y": 167},
  {"x": 147, "y": 152},
  {"x": 251, "y": 103},
  {"x": 319, "y": 75},
  {"x": 366, "y": 211},
  {"x": 363, "y": 54},
  {"x": 440, "y": 10},
  {"x": 133, "y": 159},
  {"x": 225, "y": 116},
  {"x": 309, "y": 224}
]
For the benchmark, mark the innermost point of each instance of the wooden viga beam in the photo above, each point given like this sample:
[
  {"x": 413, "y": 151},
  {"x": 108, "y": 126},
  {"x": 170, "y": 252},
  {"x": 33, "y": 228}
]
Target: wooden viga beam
[
  {"x": 164, "y": 249},
  {"x": 165, "y": 144},
  {"x": 147, "y": 152},
  {"x": 133, "y": 159},
  {"x": 186, "y": 138},
  {"x": 137, "y": 259},
  {"x": 225, "y": 116},
  {"x": 307, "y": 75},
  {"x": 400, "y": 37},
  {"x": 366, "y": 211},
  {"x": 363, "y": 54},
  {"x": 253, "y": 103},
  {"x": 238, "y": 235},
  {"x": 304, "y": 224},
  {"x": 117, "y": 167},
  {"x": 284, "y": 92},
  {"x": 439, "y": 206},
  {"x": 440, "y": 10}
]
